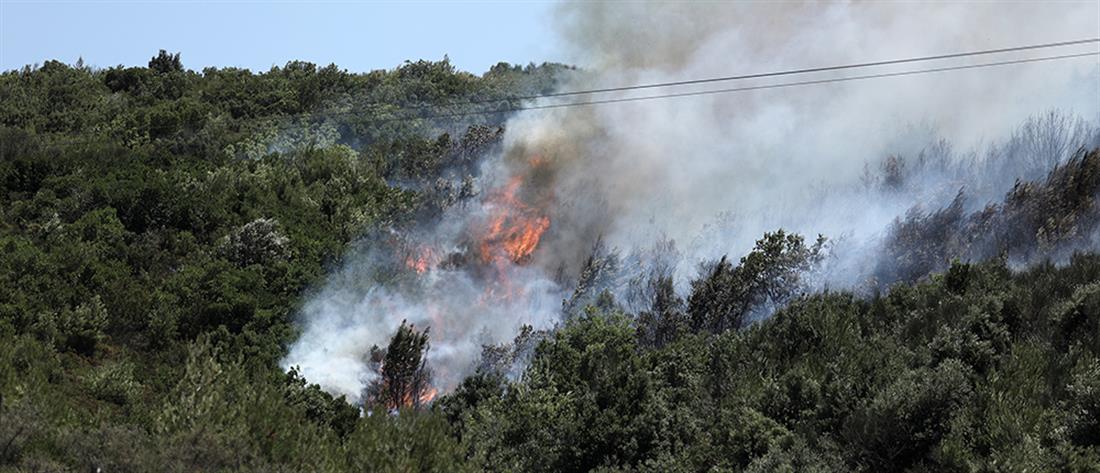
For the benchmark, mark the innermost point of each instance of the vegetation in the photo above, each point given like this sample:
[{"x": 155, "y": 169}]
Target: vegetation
[
  {"x": 403, "y": 374},
  {"x": 159, "y": 228},
  {"x": 975, "y": 369}
]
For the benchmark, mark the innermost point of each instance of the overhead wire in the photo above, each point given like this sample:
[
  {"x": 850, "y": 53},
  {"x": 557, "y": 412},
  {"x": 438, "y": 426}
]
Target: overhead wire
[
  {"x": 767, "y": 86},
  {"x": 585, "y": 103},
  {"x": 761, "y": 75}
]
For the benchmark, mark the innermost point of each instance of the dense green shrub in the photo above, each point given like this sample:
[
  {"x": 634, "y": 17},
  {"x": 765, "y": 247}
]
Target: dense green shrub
[
  {"x": 969, "y": 370},
  {"x": 159, "y": 227}
]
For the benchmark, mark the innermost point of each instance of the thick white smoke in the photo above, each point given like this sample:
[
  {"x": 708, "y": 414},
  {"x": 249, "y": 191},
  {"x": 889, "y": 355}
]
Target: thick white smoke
[
  {"x": 435, "y": 277},
  {"x": 793, "y": 157},
  {"x": 713, "y": 173}
]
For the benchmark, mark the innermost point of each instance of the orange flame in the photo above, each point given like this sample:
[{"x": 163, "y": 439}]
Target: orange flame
[
  {"x": 509, "y": 235},
  {"x": 514, "y": 229},
  {"x": 407, "y": 400},
  {"x": 423, "y": 399},
  {"x": 428, "y": 395},
  {"x": 420, "y": 259}
]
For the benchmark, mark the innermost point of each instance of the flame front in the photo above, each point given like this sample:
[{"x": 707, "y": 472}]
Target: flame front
[
  {"x": 500, "y": 235},
  {"x": 420, "y": 259},
  {"x": 514, "y": 227},
  {"x": 428, "y": 395}
]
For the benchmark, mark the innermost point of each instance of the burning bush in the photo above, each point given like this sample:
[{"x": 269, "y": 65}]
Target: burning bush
[{"x": 404, "y": 379}]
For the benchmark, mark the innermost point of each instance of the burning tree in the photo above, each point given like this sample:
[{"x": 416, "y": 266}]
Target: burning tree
[{"x": 404, "y": 379}]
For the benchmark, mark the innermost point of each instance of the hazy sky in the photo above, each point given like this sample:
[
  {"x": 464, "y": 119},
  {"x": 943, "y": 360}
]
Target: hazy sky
[{"x": 356, "y": 35}]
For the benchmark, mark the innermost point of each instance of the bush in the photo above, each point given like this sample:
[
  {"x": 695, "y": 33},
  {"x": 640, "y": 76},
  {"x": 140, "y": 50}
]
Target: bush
[
  {"x": 79, "y": 330},
  {"x": 113, "y": 382},
  {"x": 257, "y": 242}
]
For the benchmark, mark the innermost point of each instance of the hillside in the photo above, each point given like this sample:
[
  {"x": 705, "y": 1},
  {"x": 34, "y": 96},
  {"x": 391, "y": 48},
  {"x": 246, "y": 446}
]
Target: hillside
[{"x": 164, "y": 230}]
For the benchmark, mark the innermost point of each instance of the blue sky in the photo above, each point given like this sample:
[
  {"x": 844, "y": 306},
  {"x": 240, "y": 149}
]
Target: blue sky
[{"x": 356, "y": 35}]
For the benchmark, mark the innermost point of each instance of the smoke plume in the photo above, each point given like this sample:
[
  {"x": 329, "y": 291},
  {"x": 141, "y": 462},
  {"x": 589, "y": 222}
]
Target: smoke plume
[{"x": 669, "y": 183}]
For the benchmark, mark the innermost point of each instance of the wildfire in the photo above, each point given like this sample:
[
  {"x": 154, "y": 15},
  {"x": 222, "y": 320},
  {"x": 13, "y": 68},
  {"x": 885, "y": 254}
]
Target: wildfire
[
  {"x": 420, "y": 259},
  {"x": 428, "y": 394},
  {"x": 505, "y": 235},
  {"x": 414, "y": 400},
  {"x": 514, "y": 228}
]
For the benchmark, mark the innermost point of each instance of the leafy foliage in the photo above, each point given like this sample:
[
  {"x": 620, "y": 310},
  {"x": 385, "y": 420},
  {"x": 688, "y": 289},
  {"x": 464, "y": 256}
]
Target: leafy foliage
[
  {"x": 968, "y": 370},
  {"x": 768, "y": 276},
  {"x": 159, "y": 227}
]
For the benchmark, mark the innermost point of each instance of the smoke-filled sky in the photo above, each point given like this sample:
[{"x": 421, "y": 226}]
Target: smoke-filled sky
[{"x": 713, "y": 173}]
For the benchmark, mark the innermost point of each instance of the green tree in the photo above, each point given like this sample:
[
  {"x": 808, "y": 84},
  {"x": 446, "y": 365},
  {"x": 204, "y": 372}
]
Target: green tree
[
  {"x": 769, "y": 275},
  {"x": 166, "y": 63},
  {"x": 404, "y": 379}
]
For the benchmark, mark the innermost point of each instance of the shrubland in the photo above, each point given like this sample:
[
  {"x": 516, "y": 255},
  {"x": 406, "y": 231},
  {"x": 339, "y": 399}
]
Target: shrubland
[{"x": 159, "y": 228}]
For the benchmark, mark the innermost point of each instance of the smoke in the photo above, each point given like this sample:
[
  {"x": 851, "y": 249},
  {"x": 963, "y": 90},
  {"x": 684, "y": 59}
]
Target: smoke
[
  {"x": 790, "y": 157},
  {"x": 703, "y": 177},
  {"x": 454, "y": 275}
]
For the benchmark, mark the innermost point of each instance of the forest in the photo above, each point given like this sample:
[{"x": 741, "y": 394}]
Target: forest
[{"x": 160, "y": 228}]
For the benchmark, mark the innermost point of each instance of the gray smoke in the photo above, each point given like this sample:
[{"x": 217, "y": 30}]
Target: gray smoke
[
  {"x": 706, "y": 176},
  {"x": 792, "y": 157}
]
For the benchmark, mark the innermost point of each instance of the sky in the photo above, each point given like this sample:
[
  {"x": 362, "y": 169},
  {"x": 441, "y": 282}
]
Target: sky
[{"x": 355, "y": 35}]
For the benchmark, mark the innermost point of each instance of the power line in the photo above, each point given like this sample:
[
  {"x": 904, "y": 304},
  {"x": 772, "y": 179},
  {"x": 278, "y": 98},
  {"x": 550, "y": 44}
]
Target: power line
[
  {"x": 748, "y": 88},
  {"x": 705, "y": 81},
  {"x": 761, "y": 75},
  {"x": 758, "y": 75},
  {"x": 715, "y": 91}
]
